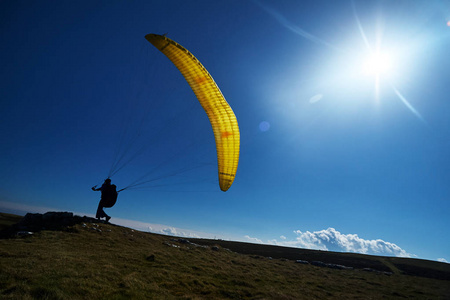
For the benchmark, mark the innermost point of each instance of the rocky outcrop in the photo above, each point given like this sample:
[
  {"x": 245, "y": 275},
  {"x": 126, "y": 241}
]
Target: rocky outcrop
[{"x": 32, "y": 223}]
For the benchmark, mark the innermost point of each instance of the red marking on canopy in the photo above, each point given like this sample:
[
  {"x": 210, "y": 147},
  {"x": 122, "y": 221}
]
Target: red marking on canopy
[
  {"x": 226, "y": 134},
  {"x": 200, "y": 79}
]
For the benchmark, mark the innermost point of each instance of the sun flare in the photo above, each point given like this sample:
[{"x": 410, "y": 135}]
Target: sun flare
[{"x": 377, "y": 64}]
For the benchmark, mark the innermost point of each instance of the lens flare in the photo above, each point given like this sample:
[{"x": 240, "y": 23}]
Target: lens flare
[
  {"x": 316, "y": 98},
  {"x": 264, "y": 126}
]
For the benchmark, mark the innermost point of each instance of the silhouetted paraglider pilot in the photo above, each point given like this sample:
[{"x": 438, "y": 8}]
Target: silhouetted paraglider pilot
[{"x": 108, "y": 198}]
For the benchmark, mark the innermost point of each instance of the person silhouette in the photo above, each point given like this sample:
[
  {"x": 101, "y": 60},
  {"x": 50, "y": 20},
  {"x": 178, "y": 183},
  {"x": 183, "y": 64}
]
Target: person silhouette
[{"x": 106, "y": 190}]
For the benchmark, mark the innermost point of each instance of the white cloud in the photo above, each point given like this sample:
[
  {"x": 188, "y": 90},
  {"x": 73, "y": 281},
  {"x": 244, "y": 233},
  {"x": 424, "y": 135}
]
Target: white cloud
[
  {"x": 442, "y": 260},
  {"x": 253, "y": 240},
  {"x": 283, "y": 237},
  {"x": 162, "y": 229},
  {"x": 332, "y": 240}
]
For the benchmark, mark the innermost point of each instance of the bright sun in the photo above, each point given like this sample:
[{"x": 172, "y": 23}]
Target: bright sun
[{"x": 377, "y": 64}]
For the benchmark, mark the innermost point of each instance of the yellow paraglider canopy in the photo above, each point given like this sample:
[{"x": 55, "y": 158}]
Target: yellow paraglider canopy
[{"x": 220, "y": 114}]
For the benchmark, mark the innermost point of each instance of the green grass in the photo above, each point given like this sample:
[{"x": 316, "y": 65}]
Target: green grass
[
  {"x": 120, "y": 263},
  {"x": 396, "y": 265}
]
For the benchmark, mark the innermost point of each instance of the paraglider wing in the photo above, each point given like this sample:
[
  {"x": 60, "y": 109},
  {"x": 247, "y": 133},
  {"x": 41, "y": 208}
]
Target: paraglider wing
[{"x": 220, "y": 114}]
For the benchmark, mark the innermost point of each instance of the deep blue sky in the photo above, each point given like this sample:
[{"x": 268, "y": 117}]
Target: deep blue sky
[{"x": 323, "y": 146}]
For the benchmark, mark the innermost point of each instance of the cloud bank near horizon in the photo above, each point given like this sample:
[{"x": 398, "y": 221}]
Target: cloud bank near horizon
[{"x": 332, "y": 240}]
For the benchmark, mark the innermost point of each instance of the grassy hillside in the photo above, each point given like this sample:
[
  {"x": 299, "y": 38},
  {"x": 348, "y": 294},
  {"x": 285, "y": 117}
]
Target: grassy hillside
[
  {"x": 395, "y": 265},
  {"x": 104, "y": 261}
]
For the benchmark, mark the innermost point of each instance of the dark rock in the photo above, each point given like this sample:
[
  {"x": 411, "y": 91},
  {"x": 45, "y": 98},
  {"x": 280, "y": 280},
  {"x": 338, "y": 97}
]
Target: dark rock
[
  {"x": 299, "y": 261},
  {"x": 24, "y": 233},
  {"x": 331, "y": 266},
  {"x": 377, "y": 271},
  {"x": 369, "y": 270},
  {"x": 187, "y": 242},
  {"x": 48, "y": 221},
  {"x": 318, "y": 264},
  {"x": 339, "y": 267}
]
